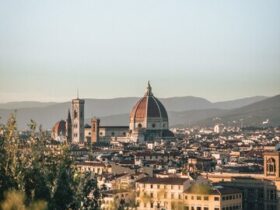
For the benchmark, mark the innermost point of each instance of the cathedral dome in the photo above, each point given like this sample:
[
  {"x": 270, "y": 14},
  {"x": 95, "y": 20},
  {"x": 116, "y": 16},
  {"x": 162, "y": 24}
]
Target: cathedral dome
[
  {"x": 59, "y": 129},
  {"x": 149, "y": 113}
]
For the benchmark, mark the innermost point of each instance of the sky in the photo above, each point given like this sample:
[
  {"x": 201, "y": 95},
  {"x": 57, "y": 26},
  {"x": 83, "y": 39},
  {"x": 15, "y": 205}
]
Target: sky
[{"x": 216, "y": 49}]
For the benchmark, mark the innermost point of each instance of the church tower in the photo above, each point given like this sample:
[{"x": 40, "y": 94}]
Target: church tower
[
  {"x": 78, "y": 121},
  {"x": 272, "y": 164},
  {"x": 95, "y": 123},
  {"x": 69, "y": 128}
]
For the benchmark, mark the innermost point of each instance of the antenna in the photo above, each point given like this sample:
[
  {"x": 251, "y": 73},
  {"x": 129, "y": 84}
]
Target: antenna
[{"x": 77, "y": 93}]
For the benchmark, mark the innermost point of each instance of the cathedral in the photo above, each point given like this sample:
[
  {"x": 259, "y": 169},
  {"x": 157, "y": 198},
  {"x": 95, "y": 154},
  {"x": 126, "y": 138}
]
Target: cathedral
[{"x": 148, "y": 121}]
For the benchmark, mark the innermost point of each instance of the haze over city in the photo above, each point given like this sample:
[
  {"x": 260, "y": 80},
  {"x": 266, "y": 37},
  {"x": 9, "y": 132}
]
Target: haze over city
[
  {"x": 140, "y": 105},
  {"x": 218, "y": 50}
]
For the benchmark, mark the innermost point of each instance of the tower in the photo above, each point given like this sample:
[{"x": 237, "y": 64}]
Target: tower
[
  {"x": 78, "y": 121},
  {"x": 272, "y": 164},
  {"x": 95, "y": 123},
  {"x": 69, "y": 127}
]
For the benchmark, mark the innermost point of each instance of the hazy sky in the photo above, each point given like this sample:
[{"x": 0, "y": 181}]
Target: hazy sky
[{"x": 219, "y": 50}]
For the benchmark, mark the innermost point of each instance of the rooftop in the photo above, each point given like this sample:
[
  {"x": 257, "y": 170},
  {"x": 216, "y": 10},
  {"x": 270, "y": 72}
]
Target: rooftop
[{"x": 166, "y": 181}]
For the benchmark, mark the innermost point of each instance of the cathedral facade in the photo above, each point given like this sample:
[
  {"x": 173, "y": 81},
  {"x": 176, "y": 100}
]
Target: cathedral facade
[{"x": 148, "y": 121}]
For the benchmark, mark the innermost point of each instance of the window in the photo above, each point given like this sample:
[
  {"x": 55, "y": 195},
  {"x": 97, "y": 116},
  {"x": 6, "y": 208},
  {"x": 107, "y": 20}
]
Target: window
[
  {"x": 206, "y": 198},
  {"x": 186, "y": 208},
  {"x": 158, "y": 186},
  {"x": 216, "y": 198},
  {"x": 205, "y": 208},
  {"x": 172, "y": 195},
  {"x": 153, "y": 125},
  {"x": 186, "y": 197},
  {"x": 151, "y": 186},
  {"x": 198, "y": 208},
  {"x": 152, "y": 195},
  {"x": 139, "y": 125},
  {"x": 192, "y": 197},
  {"x": 271, "y": 166}
]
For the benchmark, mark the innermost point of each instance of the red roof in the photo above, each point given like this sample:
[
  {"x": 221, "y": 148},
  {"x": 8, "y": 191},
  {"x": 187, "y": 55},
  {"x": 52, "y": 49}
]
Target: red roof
[{"x": 148, "y": 107}]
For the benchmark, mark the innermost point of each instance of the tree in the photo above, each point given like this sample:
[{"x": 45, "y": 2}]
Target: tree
[
  {"x": 16, "y": 200},
  {"x": 38, "y": 176},
  {"x": 90, "y": 192},
  {"x": 64, "y": 194}
]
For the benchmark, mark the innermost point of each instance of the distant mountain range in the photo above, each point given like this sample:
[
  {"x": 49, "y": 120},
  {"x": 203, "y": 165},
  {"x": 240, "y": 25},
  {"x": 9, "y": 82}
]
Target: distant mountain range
[{"x": 183, "y": 111}]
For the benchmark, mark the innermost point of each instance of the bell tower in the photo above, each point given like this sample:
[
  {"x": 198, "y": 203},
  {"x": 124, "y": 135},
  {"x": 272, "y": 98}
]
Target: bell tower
[
  {"x": 272, "y": 164},
  {"x": 69, "y": 127},
  {"x": 95, "y": 123},
  {"x": 78, "y": 121}
]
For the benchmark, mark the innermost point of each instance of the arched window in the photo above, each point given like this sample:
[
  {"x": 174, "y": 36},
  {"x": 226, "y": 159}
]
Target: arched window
[
  {"x": 139, "y": 125},
  {"x": 270, "y": 166}
]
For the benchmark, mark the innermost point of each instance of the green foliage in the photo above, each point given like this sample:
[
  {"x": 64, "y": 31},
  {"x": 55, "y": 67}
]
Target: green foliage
[
  {"x": 89, "y": 196},
  {"x": 15, "y": 200},
  {"x": 34, "y": 176}
]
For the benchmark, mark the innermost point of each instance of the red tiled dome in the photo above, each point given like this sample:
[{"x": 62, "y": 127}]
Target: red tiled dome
[
  {"x": 59, "y": 128},
  {"x": 148, "y": 107}
]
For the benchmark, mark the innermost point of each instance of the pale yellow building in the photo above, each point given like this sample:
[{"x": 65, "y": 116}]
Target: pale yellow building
[
  {"x": 160, "y": 193},
  {"x": 94, "y": 167},
  {"x": 113, "y": 199},
  {"x": 179, "y": 194},
  {"x": 213, "y": 199}
]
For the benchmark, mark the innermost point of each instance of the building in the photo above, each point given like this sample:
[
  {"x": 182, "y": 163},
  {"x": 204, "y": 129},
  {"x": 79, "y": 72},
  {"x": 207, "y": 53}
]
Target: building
[
  {"x": 196, "y": 164},
  {"x": 62, "y": 130},
  {"x": 219, "y": 128},
  {"x": 260, "y": 191},
  {"x": 78, "y": 121},
  {"x": 94, "y": 167},
  {"x": 107, "y": 133},
  {"x": 87, "y": 133},
  {"x": 182, "y": 194},
  {"x": 149, "y": 119},
  {"x": 213, "y": 198},
  {"x": 160, "y": 193},
  {"x": 115, "y": 199},
  {"x": 148, "y": 122}
]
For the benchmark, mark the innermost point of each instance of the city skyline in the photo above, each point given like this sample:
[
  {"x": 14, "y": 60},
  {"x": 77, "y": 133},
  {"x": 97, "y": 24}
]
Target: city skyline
[{"x": 221, "y": 51}]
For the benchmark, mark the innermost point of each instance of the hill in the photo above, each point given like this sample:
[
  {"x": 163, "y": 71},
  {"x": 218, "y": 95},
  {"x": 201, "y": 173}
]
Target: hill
[
  {"x": 182, "y": 110},
  {"x": 254, "y": 114}
]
